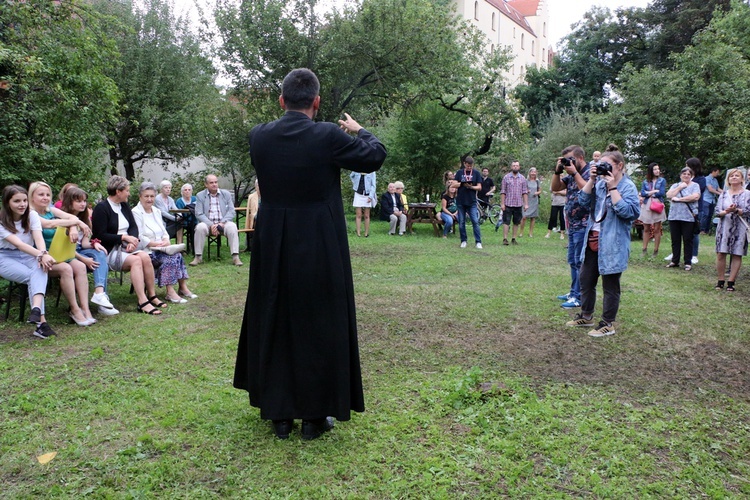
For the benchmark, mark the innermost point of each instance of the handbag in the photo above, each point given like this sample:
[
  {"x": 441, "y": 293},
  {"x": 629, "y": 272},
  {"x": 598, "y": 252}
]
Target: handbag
[
  {"x": 656, "y": 206},
  {"x": 61, "y": 249}
]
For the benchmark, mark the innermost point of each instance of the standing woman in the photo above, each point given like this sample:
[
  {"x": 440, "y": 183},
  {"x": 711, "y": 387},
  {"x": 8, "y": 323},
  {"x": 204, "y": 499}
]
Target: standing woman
[
  {"x": 20, "y": 262},
  {"x": 684, "y": 196},
  {"x": 72, "y": 274},
  {"x": 557, "y": 213},
  {"x": 171, "y": 266},
  {"x": 90, "y": 251},
  {"x": 731, "y": 233},
  {"x": 531, "y": 213},
  {"x": 365, "y": 197},
  {"x": 653, "y": 188},
  {"x": 114, "y": 225}
]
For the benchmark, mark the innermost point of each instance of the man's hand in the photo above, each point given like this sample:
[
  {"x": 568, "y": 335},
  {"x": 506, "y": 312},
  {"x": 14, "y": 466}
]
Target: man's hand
[{"x": 349, "y": 124}]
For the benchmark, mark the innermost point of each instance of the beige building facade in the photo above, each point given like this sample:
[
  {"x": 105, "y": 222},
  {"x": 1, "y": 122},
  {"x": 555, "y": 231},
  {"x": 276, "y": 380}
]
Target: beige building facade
[{"x": 521, "y": 25}]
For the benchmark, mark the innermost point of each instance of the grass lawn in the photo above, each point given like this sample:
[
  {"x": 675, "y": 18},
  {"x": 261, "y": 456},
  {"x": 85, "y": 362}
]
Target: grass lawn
[{"x": 473, "y": 385}]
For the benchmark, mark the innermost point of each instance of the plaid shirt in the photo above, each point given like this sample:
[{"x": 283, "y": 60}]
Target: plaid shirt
[
  {"x": 214, "y": 209},
  {"x": 514, "y": 187}
]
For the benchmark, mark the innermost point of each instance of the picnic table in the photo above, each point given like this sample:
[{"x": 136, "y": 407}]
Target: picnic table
[{"x": 423, "y": 213}]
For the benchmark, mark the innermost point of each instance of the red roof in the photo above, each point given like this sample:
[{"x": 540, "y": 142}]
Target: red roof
[
  {"x": 525, "y": 7},
  {"x": 506, "y": 8}
]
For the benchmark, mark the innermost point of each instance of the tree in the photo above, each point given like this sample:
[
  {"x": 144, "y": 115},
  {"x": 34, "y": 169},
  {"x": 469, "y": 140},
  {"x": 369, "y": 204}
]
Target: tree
[
  {"x": 166, "y": 83},
  {"x": 700, "y": 107},
  {"x": 54, "y": 92}
]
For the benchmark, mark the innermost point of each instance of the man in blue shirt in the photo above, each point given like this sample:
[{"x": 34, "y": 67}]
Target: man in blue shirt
[
  {"x": 709, "y": 199},
  {"x": 469, "y": 182}
]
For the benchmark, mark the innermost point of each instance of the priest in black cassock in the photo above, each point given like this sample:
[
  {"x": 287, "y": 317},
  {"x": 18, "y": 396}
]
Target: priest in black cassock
[{"x": 298, "y": 356}]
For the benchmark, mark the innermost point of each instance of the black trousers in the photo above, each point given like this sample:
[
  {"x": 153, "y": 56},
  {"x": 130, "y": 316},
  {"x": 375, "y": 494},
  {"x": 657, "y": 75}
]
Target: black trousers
[
  {"x": 610, "y": 284},
  {"x": 556, "y": 217},
  {"x": 681, "y": 232}
]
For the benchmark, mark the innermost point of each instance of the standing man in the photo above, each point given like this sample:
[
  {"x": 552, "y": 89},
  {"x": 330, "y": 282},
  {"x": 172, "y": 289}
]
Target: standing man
[
  {"x": 514, "y": 199},
  {"x": 488, "y": 186},
  {"x": 298, "y": 356},
  {"x": 709, "y": 199},
  {"x": 576, "y": 215},
  {"x": 392, "y": 210},
  {"x": 468, "y": 180},
  {"x": 214, "y": 210}
]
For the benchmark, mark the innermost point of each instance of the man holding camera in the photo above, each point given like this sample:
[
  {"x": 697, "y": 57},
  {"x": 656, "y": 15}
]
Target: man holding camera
[{"x": 573, "y": 161}]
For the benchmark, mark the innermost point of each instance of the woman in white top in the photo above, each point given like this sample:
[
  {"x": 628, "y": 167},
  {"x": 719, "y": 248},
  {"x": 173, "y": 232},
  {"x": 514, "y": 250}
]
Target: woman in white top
[
  {"x": 172, "y": 222},
  {"x": 72, "y": 274},
  {"x": 169, "y": 264},
  {"x": 20, "y": 262}
]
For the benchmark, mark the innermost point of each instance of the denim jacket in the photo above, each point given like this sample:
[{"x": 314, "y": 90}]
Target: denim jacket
[
  {"x": 660, "y": 184},
  {"x": 370, "y": 189},
  {"x": 614, "y": 231}
]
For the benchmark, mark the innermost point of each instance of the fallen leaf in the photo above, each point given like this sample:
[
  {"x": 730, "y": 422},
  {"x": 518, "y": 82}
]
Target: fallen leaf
[{"x": 47, "y": 457}]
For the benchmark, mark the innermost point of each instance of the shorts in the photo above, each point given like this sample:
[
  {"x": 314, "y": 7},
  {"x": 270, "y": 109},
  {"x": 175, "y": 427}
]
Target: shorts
[{"x": 515, "y": 213}]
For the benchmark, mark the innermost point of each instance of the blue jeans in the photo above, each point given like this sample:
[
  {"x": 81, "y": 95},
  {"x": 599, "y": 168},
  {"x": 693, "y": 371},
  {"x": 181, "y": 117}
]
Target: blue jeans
[
  {"x": 101, "y": 272},
  {"x": 473, "y": 216},
  {"x": 447, "y": 223},
  {"x": 575, "y": 246},
  {"x": 707, "y": 213}
]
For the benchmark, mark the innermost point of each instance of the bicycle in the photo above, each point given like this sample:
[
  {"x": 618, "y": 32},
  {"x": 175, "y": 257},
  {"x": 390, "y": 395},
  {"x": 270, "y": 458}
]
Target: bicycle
[{"x": 489, "y": 211}]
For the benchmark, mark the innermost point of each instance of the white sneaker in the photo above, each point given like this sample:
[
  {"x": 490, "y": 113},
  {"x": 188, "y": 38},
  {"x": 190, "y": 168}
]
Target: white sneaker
[
  {"x": 479, "y": 246},
  {"x": 101, "y": 300},
  {"x": 108, "y": 311},
  {"x": 694, "y": 260},
  {"x": 668, "y": 257},
  {"x": 463, "y": 244}
]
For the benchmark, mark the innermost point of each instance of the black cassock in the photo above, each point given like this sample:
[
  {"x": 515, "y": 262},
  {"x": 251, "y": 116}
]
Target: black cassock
[{"x": 298, "y": 355}]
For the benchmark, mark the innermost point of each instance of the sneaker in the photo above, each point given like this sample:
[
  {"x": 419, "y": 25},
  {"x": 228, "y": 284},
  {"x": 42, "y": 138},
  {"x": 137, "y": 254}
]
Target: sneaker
[
  {"x": 35, "y": 316},
  {"x": 236, "y": 260},
  {"x": 668, "y": 257},
  {"x": 479, "y": 246},
  {"x": 44, "y": 331},
  {"x": 579, "y": 320},
  {"x": 571, "y": 303},
  {"x": 563, "y": 297},
  {"x": 694, "y": 260},
  {"x": 463, "y": 244},
  {"x": 108, "y": 311},
  {"x": 505, "y": 242},
  {"x": 602, "y": 330},
  {"x": 513, "y": 241},
  {"x": 101, "y": 300}
]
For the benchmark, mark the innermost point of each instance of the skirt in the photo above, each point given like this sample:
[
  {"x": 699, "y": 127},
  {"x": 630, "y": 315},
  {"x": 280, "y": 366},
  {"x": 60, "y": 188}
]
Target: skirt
[
  {"x": 169, "y": 268},
  {"x": 360, "y": 201},
  {"x": 649, "y": 217}
]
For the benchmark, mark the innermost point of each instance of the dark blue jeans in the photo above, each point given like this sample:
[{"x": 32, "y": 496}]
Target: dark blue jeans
[
  {"x": 473, "y": 216},
  {"x": 707, "y": 213},
  {"x": 575, "y": 247}
]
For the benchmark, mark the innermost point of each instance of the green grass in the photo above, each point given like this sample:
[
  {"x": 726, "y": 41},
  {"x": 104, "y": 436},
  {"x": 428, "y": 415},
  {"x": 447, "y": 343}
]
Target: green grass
[{"x": 473, "y": 387}]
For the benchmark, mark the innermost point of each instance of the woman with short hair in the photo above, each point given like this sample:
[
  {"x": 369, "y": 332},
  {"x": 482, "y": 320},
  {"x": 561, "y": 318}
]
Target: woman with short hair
[
  {"x": 163, "y": 202},
  {"x": 683, "y": 210},
  {"x": 115, "y": 227}
]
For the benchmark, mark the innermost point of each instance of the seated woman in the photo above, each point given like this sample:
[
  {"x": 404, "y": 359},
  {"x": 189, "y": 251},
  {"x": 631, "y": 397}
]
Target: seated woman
[
  {"x": 172, "y": 222},
  {"x": 449, "y": 210},
  {"x": 90, "y": 251},
  {"x": 187, "y": 201},
  {"x": 731, "y": 233},
  {"x": 72, "y": 274},
  {"x": 115, "y": 227},
  {"x": 20, "y": 262},
  {"x": 170, "y": 266}
]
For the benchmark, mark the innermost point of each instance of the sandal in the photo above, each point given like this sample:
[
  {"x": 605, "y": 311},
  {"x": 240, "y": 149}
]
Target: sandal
[
  {"x": 730, "y": 286},
  {"x": 156, "y": 302},
  {"x": 672, "y": 264},
  {"x": 719, "y": 285},
  {"x": 153, "y": 311},
  {"x": 688, "y": 267}
]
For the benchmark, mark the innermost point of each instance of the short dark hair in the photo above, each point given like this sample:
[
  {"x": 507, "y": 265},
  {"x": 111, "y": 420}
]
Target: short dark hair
[
  {"x": 695, "y": 165},
  {"x": 576, "y": 151},
  {"x": 299, "y": 89},
  {"x": 469, "y": 160}
]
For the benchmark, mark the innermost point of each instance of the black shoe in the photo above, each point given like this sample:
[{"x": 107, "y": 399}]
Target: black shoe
[
  {"x": 44, "y": 331},
  {"x": 312, "y": 429},
  {"x": 513, "y": 242},
  {"x": 35, "y": 316},
  {"x": 282, "y": 428}
]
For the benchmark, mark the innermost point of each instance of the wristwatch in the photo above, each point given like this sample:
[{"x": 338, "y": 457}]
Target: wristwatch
[{"x": 39, "y": 257}]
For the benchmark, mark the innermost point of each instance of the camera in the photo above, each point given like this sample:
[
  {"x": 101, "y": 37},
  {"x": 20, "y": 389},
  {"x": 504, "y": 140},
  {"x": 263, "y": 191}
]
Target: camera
[
  {"x": 603, "y": 168},
  {"x": 566, "y": 162}
]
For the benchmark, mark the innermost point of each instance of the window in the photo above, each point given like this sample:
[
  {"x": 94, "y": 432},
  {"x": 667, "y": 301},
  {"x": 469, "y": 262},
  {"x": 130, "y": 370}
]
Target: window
[
  {"x": 476, "y": 11},
  {"x": 492, "y": 48},
  {"x": 494, "y": 26},
  {"x": 532, "y": 48},
  {"x": 521, "y": 41},
  {"x": 514, "y": 32},
  {"x": 544, "y": 29},
  {"x": 544, "y": 57}
]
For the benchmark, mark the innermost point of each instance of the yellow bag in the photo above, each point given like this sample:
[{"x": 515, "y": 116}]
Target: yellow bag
[{"x": 61, "y": 249}]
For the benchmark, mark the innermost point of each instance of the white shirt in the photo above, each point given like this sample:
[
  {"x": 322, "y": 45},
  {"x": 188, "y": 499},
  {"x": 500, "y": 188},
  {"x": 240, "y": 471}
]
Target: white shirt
[{"x": 27, "y": 237}]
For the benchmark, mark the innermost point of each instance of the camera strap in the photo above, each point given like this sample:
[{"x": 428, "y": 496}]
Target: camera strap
[{"x": 604, "y": 212}]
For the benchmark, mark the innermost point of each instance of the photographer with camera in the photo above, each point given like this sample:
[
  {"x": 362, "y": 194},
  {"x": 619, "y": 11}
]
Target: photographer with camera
[
  {"x": 613, "y": 201},
  {"x": 572, "y": 161}
]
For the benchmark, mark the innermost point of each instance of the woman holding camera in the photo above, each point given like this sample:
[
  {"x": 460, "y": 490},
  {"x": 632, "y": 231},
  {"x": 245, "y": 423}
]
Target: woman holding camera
[
  {"x": 613, "y": 199},
  {"x": 684, "y": 196}
]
